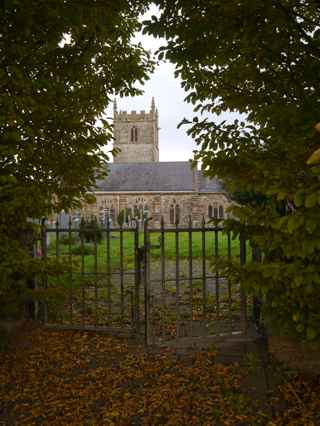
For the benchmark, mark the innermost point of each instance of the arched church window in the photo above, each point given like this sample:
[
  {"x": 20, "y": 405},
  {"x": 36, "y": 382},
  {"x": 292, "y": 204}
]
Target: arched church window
[
  {"x": 174, "y": 215},
  {"x": 177, "y": 218},
  {"x": 210, "y": 211},
  {"x": 215, "y": 212},
  {"x": 221, "y": 212},
  {"x": 171, "y": 215},
  {"x": 140, "y": 211},
  {"x": 134, "y": 134}
]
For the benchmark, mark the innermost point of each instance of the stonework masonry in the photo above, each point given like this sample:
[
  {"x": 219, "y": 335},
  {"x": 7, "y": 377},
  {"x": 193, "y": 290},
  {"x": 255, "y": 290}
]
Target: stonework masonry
[
  {"x": 140, "y": 186},
  {"x": 157, "y": 206},
  {"x": 136, "y": 135}
]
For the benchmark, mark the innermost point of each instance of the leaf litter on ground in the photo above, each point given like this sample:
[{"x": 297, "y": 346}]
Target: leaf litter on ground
[{"x": 84, "y": 378}]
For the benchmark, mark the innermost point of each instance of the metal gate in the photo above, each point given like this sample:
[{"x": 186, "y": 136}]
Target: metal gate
[
  {"x": 154, "y": 284},
  {"x": 185, "y": 294}
]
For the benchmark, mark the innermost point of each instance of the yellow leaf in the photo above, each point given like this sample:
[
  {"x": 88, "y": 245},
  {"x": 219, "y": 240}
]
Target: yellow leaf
[{"x": 314, "y": 158}]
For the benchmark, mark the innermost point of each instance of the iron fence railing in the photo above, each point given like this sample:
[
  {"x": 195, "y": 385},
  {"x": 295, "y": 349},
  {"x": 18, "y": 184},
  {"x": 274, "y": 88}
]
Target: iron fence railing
[{"x": 159, "y": 283}]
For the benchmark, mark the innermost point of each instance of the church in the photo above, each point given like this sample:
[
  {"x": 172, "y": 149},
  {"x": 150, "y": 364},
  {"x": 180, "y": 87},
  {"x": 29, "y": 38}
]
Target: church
[{"x": 138, "y": 185}]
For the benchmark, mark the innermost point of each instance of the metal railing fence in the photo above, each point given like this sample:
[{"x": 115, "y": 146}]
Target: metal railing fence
[{"x": 160, "y": 284}]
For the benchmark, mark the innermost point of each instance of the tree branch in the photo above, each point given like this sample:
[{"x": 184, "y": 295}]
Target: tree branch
[{"x": 291, "y": 17}]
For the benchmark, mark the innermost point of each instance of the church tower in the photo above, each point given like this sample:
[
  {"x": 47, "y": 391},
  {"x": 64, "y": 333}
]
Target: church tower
[{"x": 136, "y": 135}]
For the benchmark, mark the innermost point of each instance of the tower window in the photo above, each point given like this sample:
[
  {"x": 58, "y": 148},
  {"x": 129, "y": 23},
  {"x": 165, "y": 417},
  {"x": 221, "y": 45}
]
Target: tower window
[{"x": 134, "y": 134}]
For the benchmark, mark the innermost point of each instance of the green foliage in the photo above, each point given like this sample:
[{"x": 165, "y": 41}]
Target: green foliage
[
  {"x": 125, "y": 215},
  {"x": 249, "y": 198},
  {"x": 129, "y": 250},
  {"x": 61, "y": 62},
  {"x": 121, "y": 217},
  {"x": 90, "y": 230},
  {"x": 66, "y": 239},
  {"x": 84, "y": 250},
  {"x": 261, "y": 59}
]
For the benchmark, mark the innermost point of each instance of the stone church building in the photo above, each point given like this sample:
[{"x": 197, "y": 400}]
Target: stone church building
[{"x": 139, "y": 185}]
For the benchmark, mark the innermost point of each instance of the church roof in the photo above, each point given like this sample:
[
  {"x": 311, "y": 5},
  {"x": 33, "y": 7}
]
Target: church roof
[{"x": 155, "y": 176}]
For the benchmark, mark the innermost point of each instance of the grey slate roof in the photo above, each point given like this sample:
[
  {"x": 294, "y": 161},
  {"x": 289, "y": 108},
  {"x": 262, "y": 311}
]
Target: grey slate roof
[{"x": 159, "y": 177}]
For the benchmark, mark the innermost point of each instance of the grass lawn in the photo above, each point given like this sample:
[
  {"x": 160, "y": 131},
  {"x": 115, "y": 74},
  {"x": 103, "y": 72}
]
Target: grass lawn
[
  {"x": 91, "y": 287},
  {"x": 96, "y": 257}
]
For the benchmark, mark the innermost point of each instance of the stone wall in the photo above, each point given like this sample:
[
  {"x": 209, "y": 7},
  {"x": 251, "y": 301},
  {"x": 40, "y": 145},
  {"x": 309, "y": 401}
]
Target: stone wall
[
  {"x": 136, "y": 153},
  {"x": 145, "y": 148},
  {"x": 156, "y": 206}
]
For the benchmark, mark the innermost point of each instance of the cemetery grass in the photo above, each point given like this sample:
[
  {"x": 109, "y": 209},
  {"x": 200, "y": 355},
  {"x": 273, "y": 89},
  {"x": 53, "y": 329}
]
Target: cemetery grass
[{"x": 95, "y": 257}]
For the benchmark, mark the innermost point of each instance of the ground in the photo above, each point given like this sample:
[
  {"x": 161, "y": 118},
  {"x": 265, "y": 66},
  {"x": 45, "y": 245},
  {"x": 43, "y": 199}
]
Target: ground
[{"x": 82, "y": 378}]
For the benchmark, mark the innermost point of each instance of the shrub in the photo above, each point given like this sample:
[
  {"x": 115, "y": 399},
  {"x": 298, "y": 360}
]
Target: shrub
[
  {"x": 84, "y": 250},
  {"x": 90, "y": 230},
  {"x": 67, "y": 239}
]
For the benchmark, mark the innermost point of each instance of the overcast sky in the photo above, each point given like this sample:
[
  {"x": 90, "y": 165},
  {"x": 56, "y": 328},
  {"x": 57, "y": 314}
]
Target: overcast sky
[{"x": 174, "y": 144}]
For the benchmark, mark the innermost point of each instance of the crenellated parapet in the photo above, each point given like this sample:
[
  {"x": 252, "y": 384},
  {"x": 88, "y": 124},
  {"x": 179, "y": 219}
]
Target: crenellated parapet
[
  {"x": 135, "y": 116},
  {"x": 136, "y": 135}
]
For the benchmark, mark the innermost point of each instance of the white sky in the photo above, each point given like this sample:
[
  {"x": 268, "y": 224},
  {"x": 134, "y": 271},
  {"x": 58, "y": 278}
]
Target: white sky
[{"x": 174, "y": 144}]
